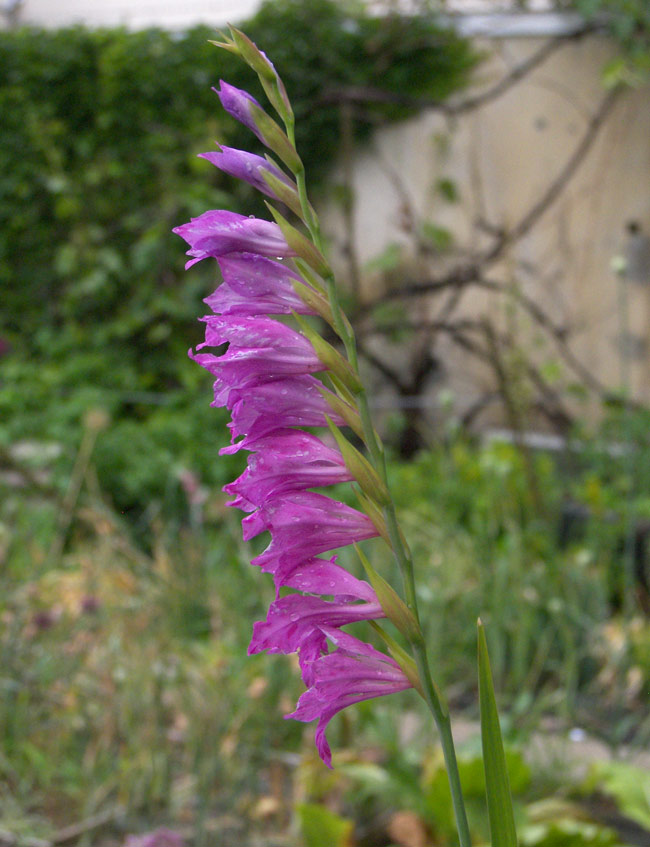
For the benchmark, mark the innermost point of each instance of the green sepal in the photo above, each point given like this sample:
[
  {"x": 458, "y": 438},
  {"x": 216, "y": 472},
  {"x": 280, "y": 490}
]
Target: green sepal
[
  {"x": 375, "y": 514},
  {"x": 342, "y": 390},
  {"x": 395, "y": 608},
  {"x": 406, "y": 662},
  {"x": 275, "y": 138},
  {"x": 330, "y": 356},
  {"x": 314, "y": 300},
  {"x": 317, "y": 282},
  {"x": 287, "y": 194},
  {"x": 299, "y": 211},
  {"x": 360, "y": 467},
  {"x": 273, "y": 85},
  {"x": 299, "y": 243},
  {"x": 343, "y": 410},
  {"x": 227, "y": 44},
  {"x": 310, "y": 276},
  {"x": 497, "y": 785},
  {"x": 252, "y": 55},
  {"x": 279, "y": 99}
]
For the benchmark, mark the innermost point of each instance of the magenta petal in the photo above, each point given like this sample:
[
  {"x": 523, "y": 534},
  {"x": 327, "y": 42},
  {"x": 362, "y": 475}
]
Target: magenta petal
[
  {"x": 246, "y": 166},
  {"x": 260, "y": 349},
  {"x": 311, "y": 649},
  {"x": 217, "y": 233},
  {"x": 250, "y": 333},
  {"x": 352, "y": 673},
  {"x": 303, "y": 525},
  {"x": 286, "y": 460},
  {"x": 292, "y": 619},
  {"x": 255, "y": 285},
  {"x": 293, "y": 401},
  {"x": 323, "y": 576},
  {"x": 237, "y": 103},
  {"x": 253, "y": 525}
]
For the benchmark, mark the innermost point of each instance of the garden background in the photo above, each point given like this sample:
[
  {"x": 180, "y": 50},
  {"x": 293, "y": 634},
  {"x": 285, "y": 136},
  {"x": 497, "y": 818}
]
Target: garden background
[{"x": 127, "y": 701}]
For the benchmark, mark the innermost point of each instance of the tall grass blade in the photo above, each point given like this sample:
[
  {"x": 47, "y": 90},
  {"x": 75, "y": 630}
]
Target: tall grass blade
[{"x": 497, "y": 785}]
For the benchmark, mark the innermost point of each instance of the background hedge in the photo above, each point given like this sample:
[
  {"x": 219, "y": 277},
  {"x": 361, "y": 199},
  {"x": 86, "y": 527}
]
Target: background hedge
[{"x": 99, "y": 135}]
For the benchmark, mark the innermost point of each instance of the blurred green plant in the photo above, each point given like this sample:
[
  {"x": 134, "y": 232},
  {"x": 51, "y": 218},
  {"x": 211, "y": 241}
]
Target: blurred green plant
[
  {"x": 100, "y": 133},
  {"x": 403, "y": 798},
  {"x": 628, "y": 22},
  {"x": 123, "y": 682}
]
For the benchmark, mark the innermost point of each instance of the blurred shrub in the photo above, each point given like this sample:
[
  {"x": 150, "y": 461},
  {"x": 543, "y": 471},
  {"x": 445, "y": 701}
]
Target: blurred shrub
[
  {"x": 100, "y": 133},
  {"x": 628, "y": 22}
]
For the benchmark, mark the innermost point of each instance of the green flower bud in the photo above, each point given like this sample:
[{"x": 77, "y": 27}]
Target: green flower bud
[
  {"x": 395, "y": 608},
  {"x": 300, "y": 244},
  {"x": 360, "y": 468},
  {"x": 330, "y": 356},
  {"x": 275, "y": 138},
  {"x": 344, "y": 410}
]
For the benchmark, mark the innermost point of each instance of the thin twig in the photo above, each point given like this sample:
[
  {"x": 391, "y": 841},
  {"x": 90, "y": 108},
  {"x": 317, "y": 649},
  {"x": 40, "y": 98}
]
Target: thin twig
[
  {"x": 561, "y": 180},
  {"x": 462, "y": 275},
  {"x": 69, "y": 833},
  {"x": 368, "y": 95},
  {"x": 559, "y": 334}
]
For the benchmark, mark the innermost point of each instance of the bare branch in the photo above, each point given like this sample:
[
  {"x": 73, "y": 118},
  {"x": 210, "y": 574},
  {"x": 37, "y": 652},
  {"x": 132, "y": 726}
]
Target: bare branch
[
  {"x": 392, "y": 376},
  {"x": 559, "y": 334},
  {"x": 561, "y": 180},
  {"x": 368, "y": 95},
  {"x": 463, "y": 275},
  {"x": 518, "y": 73}
]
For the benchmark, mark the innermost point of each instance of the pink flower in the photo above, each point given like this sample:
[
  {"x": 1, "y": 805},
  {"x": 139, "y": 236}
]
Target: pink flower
[
  {"x": 355, "y": 671},
  {"x": 264, "y": 378},
  {"x": 258, "y": 348},
  {"x": 294, "y": 618},
  {"x": 238, "y": 104},
  {"x": 286, "y": 460},
  {"x": 290, "y": 401},
  {"x": 302, "y": 525},
  {"x": 254, "y": 285},
  {"x": 246, "y": 166},
  {"x": 218, "y": 233}
]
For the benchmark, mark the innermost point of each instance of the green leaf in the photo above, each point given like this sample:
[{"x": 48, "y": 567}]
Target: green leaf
[
  {"x": 497, "y": 786},
  {"x": 300, "y": 244},
  {"x": 437, "y": 237},
  {"x": 323, "y": 828},
  {"x": 388, "y": 259},
  {"x": 628, "y": 784},
  {"x": 448, "y": 189}
]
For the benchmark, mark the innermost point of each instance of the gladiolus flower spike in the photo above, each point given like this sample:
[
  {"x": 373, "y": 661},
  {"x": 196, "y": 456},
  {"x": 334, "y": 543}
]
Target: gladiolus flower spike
[{"x": 267, "y": 380}]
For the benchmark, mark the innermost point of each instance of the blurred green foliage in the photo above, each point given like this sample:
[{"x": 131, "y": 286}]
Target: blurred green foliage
[
  {"x": 124, "y": 680},
  {"x": 628, "y": 22},
  {"x": 100, "y": 133}
]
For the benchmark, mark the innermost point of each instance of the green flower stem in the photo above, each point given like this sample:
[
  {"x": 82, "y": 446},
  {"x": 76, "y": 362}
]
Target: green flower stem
[
  {"x": 443, "y": 722},
  {"x": 310, "y": 220},
  {"x": 434, "y": 699}
]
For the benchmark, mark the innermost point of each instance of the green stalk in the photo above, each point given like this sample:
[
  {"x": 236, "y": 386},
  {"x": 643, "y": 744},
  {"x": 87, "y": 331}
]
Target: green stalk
[
  {"x": 440, "y": 712},
  {"x": 435, "y": 702},
  {"x": 433, "y": 697}
]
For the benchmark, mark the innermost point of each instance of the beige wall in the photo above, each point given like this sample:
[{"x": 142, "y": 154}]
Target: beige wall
[{"x": 502, "y": 157}]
